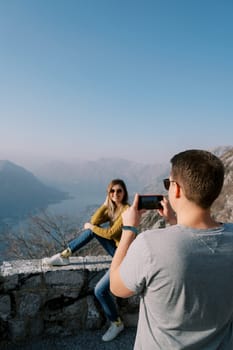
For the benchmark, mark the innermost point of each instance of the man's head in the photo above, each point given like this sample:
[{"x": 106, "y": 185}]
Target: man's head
[{"x": 200, "y": 174}]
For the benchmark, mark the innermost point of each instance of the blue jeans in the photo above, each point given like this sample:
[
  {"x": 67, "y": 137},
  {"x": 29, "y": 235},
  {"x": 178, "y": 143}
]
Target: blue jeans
[
  {"x": 86, "y": 236},
  {"x": 102, "y": 289},
  {"x": 105, "y": 298}
]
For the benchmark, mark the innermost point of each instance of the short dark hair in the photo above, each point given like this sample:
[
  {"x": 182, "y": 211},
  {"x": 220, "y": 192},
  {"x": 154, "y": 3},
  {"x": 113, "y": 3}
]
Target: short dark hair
[{"x": 200, "y": 174}]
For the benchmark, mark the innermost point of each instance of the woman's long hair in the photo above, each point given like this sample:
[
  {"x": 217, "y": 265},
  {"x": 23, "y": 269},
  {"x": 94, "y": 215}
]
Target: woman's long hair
[{"x": 111, "y": 205}]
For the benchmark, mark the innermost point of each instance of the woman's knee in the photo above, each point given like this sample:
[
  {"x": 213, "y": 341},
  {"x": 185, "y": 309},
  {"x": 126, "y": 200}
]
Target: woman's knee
[{"x": 100, "y": 291}]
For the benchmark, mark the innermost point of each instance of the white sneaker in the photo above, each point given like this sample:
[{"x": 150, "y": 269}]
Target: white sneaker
[
  {"x": 56, "y": 260},
  {"x": 113, "y": 331}
]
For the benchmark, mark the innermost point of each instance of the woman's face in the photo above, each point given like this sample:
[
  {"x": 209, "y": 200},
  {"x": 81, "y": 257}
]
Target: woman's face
[{"x": 116, "y": 194}]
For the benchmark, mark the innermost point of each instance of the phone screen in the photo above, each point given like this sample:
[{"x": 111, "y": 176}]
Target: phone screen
[{"x": 150, "y": 202}]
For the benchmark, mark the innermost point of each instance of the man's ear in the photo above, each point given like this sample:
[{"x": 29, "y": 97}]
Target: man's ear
[{"x": 177, "y": 190}]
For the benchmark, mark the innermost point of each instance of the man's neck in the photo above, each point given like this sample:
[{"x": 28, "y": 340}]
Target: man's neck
[{"x": 197, "y": 218}]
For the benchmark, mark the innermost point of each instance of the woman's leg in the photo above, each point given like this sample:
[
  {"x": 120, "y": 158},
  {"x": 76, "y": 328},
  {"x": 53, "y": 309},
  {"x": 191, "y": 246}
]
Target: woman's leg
[
  {"x": 108, "y": 244},
  {"x": 105, "y": 298},
  {"x": 77, "y": 243},
  {"x": 86, "y": 236},
  {"x": 62, "y": 258}
]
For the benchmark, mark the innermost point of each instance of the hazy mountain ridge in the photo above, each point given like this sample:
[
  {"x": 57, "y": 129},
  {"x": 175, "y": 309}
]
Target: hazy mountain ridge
[
  {"x": 21, "y": 192},
  {"x": 89, "y": 175},
  {"x": 223, "y": 206}
]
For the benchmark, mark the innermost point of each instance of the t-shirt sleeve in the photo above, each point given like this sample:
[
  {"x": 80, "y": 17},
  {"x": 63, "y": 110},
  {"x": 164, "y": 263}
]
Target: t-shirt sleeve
[{"x": 133, "y": 270}]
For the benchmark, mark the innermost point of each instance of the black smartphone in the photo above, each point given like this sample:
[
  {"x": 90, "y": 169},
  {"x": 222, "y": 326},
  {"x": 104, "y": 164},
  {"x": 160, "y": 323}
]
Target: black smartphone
[{"x": 150, "y": 201}]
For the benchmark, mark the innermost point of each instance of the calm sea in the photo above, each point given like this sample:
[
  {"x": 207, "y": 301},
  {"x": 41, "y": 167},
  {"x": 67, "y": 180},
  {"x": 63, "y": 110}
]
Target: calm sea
[{"x": 76, "y": 205}]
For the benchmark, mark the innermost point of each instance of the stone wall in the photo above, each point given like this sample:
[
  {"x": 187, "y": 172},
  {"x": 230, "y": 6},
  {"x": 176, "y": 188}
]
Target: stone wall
[{"x": 39, "y": 300}]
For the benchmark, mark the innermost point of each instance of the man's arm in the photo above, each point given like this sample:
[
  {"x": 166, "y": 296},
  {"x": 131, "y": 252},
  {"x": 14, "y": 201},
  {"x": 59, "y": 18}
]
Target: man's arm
[
  {"x": 130, "y": 217},
  {"x": 117, "y": 286}
]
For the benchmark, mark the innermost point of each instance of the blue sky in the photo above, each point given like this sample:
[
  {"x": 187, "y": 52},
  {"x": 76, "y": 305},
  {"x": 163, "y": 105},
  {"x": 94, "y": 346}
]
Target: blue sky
[{"x": 133, "y": 79}]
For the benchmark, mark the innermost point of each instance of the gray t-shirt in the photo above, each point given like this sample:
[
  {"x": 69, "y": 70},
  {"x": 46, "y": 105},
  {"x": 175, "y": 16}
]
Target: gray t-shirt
[{"x": 185, "y": 278}]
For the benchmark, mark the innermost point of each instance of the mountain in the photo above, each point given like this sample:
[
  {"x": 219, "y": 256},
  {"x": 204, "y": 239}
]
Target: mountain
[
  {"x": 88, "y": 176},
  {"x": 223, "y": 206},
  {"x": 21, "y": 192}
]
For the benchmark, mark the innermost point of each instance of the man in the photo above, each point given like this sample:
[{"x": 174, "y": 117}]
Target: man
[{"x": 184, "y": 273}]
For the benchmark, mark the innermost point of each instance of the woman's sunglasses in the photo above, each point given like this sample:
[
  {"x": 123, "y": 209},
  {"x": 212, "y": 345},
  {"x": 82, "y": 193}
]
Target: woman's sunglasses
[{"x": 119, "y": 190}]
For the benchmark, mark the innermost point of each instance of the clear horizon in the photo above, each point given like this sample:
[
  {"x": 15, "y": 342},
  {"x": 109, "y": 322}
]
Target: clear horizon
[{"x": 114, "y": 79}]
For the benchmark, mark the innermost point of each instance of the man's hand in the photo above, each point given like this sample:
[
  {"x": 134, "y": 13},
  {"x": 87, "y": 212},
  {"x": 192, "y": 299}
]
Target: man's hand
[
  {"x": 167, "y": 212},
  {"x": 132, "y": 216}
]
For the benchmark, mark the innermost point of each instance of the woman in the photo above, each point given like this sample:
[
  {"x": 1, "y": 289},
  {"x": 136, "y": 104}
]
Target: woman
[{"x": 110, "y": 212}]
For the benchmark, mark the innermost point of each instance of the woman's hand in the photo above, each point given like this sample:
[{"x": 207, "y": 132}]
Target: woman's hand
[
  {"x": 88, "y": 225},
  {"x": 167, "y": 212}
]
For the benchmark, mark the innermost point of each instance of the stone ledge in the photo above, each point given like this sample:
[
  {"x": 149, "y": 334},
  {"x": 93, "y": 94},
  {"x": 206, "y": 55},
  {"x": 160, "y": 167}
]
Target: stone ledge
[
  {"x": 40, "y": 300},
  {"x": 91, "y": 263}
]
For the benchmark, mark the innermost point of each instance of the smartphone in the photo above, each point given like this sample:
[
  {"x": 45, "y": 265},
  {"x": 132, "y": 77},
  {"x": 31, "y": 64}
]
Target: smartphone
[{"x": 150, "y": 201}]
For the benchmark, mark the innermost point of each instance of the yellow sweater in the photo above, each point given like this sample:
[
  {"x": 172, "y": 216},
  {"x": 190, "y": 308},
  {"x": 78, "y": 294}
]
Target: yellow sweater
[{"x": 115, "y": 227}]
